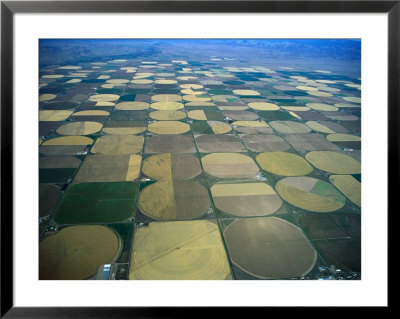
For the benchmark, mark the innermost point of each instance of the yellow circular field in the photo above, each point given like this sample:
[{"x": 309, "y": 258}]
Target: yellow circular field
[
  {"x": 166, "y": 98},
  {"x": 167, "y": 106},
  {"x": 105, "y": 103},
  {"x": 70, "y": 67},
  {"x": 310, "y": 194},
  {"x": 191, "y": 92},
  {"x": 91, "y": 113},
  {"x": 167, "y": 115},
  {"x": 132, "y": 106},
  {"x": 263, "y": 106},
  {"x": 171, "y": 166},
  {"x": 284, "y": 164},
  {"x": 53, "y": 76},
  {"x": 326, "y": 81},
  {"x": 191, "y": 86},
  {"x": 322, "y": 107},
  {"x": 79, "y": 128},
  {"x": 117, "y": 81},
  {"x": 187, "y": 78},
  {"x": 319, "y": 93},
  {"x": 142, "y": 81},
  {"x": 251, "y": 123},
  {"x": 296, "y": 108},
  {"x": 343, "y": 138},
  {"x": 143, "y": 75},
  {"x": 229, "y": 165},
  {"x": 53, "y": 115},
  {"x": 47, "y": 97},
  {"x": 318, "y": 127},
  {"x": 352, "y": 99},
  {"x": 334, "y": 162},
  {"x": 349, "y": 186},
  {"x": 165, "y": 82},
  {"x": 196, "y": 98},
  {"x": 184, "y": 250},
  {"x": 287, "y": 127},
  {"x": 174, "y": 200},
  {"x": 76, "y": 252},
  {"x": 111, "y": 86},
  {"x": 197, "y": 115},
  {"x": 353, "y": 85},
  {"x": 118, "y": 144},
  {"x": 165, "y": 74},
  {"x": 218, "y": 127},
  {"x": 168, "y": 127},
  {"x": 246, "y": 92},
  {"x": 69, "y": 140},
  {"x": 103, "y": 97}
]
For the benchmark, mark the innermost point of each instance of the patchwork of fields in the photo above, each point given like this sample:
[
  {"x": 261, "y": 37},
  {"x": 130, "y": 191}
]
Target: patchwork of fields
[{"x": 204, "y": 167}]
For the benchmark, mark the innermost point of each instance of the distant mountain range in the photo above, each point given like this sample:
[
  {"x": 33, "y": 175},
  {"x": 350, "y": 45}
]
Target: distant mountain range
[{"x": 344, "y": 51}]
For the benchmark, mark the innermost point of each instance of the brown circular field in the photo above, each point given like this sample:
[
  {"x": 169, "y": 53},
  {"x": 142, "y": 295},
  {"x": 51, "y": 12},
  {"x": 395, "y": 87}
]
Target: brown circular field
[
  {"x": 209, "y": 143},
  {"x": 183, "y": 250},
  {"x": 171, "y": 166},
  {"x": 241, "y": 115},
  {"x": 229, "y": 165},
  {"x": 269, "y": 248},
  {"x": 310, "y": 194},
  {"x": 167, "y": 115},
  {"x": 169, "y": 144},
  {"x": 174, "y": 200},
  {"x": 310, "y": 142},
  {"x": 246, "y": 199},
  {"x": 196, "y": 98},
  {"x": 76, "y": 252},
  {"x": 252, "y": 127},
  {"x": 124, "y": 127},
  {"x": 265, "y": 142}
]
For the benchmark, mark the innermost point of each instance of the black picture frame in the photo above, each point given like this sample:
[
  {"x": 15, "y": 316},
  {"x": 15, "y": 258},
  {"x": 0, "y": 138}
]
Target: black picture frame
[{"x": 9, "y": 8}]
